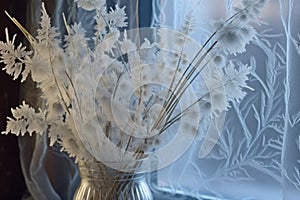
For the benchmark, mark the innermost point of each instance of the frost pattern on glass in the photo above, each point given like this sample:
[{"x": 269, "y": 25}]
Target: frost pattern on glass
[{"x": 257, "y": 155}]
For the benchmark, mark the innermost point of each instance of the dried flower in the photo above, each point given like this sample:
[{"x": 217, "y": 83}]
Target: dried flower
[
  {"x": 116, "y": 18},
  {"x": 90, "y": 4},
  {"x": 14, "y": 59},
  {"x": 233, "y": 38},
  {"x": 235, "y": 81},
  {"x": 129, "y": 96},
  {"x": 26, "y": 121}
]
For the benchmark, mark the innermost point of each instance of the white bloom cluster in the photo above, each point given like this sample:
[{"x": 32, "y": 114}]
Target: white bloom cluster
[
  {"x": 235, "y": 80},
  {"x": 14, "y": 58},
  {"x": 90, "y": 4},
  {"x": 252, "y": 8},
  {"x": 233, "y": 37},
  {"x": 137, "y": 92},
  {"x": 26, "y": 121},
  {"x": 235, "y": 32}
]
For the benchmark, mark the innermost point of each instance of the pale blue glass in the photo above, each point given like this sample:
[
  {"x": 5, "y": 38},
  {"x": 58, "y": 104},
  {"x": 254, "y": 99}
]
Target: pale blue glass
[{"x": 258, "y": 154}]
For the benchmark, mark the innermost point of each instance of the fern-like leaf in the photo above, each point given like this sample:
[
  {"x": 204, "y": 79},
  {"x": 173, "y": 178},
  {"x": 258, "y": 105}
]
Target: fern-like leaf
[
  {"x": 116, "y": 18},
  {"x": 14, "y": 58},
  {"x": 26, "y": 120},
  {"x": 46, "y": 31}
]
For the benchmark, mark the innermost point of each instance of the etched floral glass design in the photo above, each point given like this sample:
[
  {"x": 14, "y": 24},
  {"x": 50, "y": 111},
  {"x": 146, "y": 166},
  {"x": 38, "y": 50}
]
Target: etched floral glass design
[{"x": 257, "y": 156}]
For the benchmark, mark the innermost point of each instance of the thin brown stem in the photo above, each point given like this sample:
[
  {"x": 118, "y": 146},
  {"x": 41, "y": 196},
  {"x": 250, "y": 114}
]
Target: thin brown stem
[
  {"x": 173, "y": 107},
  {"x": 75, "y": 92},
  {"x": 182, "y": 88}
]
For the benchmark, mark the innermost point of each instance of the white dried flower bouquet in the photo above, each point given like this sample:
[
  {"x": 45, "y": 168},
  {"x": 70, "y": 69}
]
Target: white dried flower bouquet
[{"x": 116, "y": 88}]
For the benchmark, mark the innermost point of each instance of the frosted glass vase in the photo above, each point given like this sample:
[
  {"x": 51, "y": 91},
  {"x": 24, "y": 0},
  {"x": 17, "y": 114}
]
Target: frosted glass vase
[{"x": 100, "y": 182}]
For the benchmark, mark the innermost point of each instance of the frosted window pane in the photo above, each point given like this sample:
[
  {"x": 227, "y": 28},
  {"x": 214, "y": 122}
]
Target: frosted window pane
[{"x": 258, "y": 154}]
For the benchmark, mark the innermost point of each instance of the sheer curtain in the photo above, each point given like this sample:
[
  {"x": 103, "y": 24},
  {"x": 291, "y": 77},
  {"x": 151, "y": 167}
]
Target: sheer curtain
[{"x": 258, "y": 153}]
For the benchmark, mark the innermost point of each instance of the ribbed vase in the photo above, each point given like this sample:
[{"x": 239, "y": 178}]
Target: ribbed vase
[{"x": 100, "y": 182}]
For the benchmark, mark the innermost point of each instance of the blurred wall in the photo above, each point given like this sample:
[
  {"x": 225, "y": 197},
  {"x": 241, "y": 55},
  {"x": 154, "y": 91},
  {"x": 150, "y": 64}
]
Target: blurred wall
[{"x": 12, "y": 184}]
